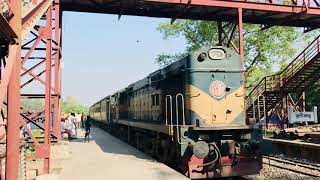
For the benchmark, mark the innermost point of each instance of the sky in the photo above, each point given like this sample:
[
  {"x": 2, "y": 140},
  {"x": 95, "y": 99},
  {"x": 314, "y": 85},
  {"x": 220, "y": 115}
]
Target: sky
[{"x": 102, "y": 55}]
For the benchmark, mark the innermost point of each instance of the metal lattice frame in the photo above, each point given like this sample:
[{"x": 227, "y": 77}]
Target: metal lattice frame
[{"x": 15, "y": 72}]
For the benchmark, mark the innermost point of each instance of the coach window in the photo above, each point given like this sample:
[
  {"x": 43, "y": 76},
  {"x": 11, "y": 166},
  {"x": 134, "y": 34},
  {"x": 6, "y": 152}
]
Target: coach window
[{"x": 155, "y": 99}]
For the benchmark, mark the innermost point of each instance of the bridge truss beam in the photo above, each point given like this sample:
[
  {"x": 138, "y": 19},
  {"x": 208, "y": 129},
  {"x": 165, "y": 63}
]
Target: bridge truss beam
[
  {"x": 23, "y": 64},
  {"x": 306, "y": 6}
]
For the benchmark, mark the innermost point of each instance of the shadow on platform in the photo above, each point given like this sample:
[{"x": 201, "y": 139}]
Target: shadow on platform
[
  {"x": 106, "y": 154},
  {"x": 111, "y": 144}
]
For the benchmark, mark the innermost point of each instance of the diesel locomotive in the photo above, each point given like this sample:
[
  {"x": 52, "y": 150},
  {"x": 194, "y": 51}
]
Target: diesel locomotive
[{"x": 189, "y": 115}]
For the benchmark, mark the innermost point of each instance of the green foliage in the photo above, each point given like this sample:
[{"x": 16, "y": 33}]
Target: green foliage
[
  {"x": 196, "y": 33},
  {"x": 72, "y": 105},
  {"x": 282, "y": 64},
  {"x": 32, "y": 105},
  {"x": 263, "y": 48},
  {"x": 312, "y": 97},
  {"x": 31, "y": 150},
  {"x": 37, "y": 132},
  {"x": 255, "y": 77},
  {"x": 166, "y": 59}
]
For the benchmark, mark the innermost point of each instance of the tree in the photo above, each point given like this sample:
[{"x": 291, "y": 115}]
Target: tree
[
  {"x": 312, "y": 97},
  {"x": 71, "y": 105},
  {"x": 262, "y": 48},
  {"x": 32, "y": 105}
]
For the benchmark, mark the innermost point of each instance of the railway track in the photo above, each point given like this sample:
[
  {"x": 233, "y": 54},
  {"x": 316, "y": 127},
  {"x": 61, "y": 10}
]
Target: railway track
[{"x": 299, "y": 167}]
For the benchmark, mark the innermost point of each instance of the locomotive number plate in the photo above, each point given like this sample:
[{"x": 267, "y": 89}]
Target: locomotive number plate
[{"x": 218, "y": 89}]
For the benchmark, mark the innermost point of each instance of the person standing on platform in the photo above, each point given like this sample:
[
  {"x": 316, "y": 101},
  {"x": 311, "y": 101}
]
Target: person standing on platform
[
  {"x": 82, "y": 120},
  {"x": 87, "y": 125},
  {"x": 74, "y": 122},
  {"x": 78, "y": 120},
  {"x": 72, "y": 125},
  {"x": 69, "y": 123}
]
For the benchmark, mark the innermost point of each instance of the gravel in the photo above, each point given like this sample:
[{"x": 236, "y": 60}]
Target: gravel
[{"x": 277, "y": 173}]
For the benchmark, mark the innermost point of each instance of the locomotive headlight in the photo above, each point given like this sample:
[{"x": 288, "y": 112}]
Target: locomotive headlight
[
  {"x": 216, "y": 54},
  {"x": 200, "y": 149},
  {"x": 202, "y": 57}
]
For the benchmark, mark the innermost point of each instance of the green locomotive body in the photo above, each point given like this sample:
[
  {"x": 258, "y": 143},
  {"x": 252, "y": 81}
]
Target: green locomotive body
[{"x": 189, "y": 115}]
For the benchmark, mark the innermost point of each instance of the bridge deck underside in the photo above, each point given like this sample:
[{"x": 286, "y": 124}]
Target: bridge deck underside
[{"x": 197, "y": 12}]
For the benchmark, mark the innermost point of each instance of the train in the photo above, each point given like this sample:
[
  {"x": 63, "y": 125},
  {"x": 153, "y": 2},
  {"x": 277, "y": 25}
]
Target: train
[{"x": 189, "y": 115}]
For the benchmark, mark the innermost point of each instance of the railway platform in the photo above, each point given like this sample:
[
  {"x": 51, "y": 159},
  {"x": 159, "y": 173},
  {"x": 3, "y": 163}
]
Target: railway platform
[{"x": 106, "y": 157}]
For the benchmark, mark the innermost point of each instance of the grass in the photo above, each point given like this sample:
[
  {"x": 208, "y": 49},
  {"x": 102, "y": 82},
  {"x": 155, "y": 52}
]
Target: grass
[{"x": 37, "y": 133}]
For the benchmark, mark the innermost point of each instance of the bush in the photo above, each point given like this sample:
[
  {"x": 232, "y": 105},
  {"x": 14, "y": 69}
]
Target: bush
[{"x": 72, "y": 105}]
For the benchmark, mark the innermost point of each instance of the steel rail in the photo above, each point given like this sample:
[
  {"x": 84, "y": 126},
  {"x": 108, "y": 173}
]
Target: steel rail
[{"x": 293, "y": 163}]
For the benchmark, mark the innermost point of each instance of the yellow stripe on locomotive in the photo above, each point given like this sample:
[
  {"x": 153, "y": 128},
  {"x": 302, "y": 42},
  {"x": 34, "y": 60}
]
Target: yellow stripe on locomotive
[{"x": 214, "y": 88}]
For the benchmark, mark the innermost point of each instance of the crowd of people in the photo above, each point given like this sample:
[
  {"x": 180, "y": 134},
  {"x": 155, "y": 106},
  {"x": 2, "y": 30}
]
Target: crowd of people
[{"x": 70, "y": 123}]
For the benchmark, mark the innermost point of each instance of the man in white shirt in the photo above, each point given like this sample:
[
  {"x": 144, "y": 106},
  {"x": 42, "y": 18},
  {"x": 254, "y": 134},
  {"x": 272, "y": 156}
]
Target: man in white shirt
[
  {"x": 72, "y": 125},
  {"x": 78, "y": 120}
]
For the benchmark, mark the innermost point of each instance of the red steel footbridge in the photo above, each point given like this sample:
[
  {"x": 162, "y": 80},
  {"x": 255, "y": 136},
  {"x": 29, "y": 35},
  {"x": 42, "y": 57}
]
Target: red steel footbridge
[
  {"x": 30, "y": 52},
  {"x": 272, "y": 95}
]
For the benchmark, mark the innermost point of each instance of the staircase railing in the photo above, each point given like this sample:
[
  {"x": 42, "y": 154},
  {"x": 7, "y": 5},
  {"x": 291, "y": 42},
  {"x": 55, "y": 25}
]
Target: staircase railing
[
  {"x": 268, "y": 83},
  {"x": 301, "y": 60},
  {"x": 275, "y": 82},
  {"x": 258, "y": 89}
]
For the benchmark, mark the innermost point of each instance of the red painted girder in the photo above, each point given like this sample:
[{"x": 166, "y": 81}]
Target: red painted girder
[
  {"x": 33, "y": 75},
  {"x": 35, "y": 141},
  {"x": 32, "y": 17},
  {"x": 246, "y": 5},
  {"x": 12, "y": 149},
  {"x": 13, "y": 95},
  {"x": 7, "y": 72},
  {"x": 11, "y": 8},
  {"x": 33, "y": 67},
  {"x": 47, "y": 111},
  {"x": 241, "y": 51},
  {"x": 28, "y": 17},
  {"x": 25, "y": 58},
  {"x": 36, "y": 124},
  {"x": 6, "y": 30},
  {"x": 35, "y": 114},
  {"x": 30, "y": 80},
  {"x": 57, "y": 72}
]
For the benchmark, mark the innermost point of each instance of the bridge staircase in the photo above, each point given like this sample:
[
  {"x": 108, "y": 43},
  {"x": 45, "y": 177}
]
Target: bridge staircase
[{"x": 297, "y": 77}]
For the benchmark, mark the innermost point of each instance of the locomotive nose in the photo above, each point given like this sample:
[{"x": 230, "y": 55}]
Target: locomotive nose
[{"x": 200, "y": 149}]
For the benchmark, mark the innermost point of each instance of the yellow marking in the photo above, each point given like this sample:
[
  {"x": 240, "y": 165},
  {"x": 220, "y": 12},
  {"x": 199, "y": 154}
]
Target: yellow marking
[{"x": 212, "y": 111}]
